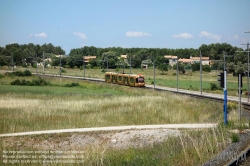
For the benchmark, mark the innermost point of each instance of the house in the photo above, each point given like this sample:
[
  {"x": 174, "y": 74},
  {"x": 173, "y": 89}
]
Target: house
[
  {"x": 172, "y": 59},
  {"x": 204, "y": 60},
  {"x": 124, "y": 56},
  {"x": 88, "y": 58},
  {"x": 192, "y": 60},
  {"x": 184, "y": 61},
  {"x": 146, "y": 63}
]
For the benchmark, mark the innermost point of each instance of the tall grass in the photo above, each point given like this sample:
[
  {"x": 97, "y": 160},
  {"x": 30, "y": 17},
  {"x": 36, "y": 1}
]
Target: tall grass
[
  {"x": 26, "y": 113},
  {"x": 24, "y": 108}
]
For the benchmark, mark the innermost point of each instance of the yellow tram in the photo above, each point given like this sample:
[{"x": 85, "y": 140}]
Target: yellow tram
[{"x": 136, "y": 80}]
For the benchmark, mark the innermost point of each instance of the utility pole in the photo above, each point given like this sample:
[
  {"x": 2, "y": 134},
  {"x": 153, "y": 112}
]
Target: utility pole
[
  {"x": 225, "y": 90},
  {"x": 247, "y": 72},
  {"x": 247, "y": 69},
  {"x": 43, "y": 63},
  {"x": 83, "y": 66},
  {"x": 36, "y": 64},
  {"x": 107, "y": 62},
  {"x": 130, "y": 62},
  {"x": 177, "y": 71},
  {"x": 201, "y": 72},
  {"x": 60, "y": 66},
  {"x": 154, "y": 70},
  {"x": 12, "y": 56}
]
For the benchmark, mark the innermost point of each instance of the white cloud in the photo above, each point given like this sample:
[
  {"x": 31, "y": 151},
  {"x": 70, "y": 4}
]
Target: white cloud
[
  {"x": 137, "y": 34},
  {"x": 183, "y": 36},
  {"x": 210, "y": 35},
  {"x": 39, "y": 35},
  {"x": 235, "y": 37},
  {"x": 81, "y": 35}
]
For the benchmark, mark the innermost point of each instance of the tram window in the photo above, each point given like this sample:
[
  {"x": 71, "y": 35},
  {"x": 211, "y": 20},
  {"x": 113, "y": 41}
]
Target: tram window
[
  {"x": 140, "y": 79},
  {"x": 131, "y": 80}
]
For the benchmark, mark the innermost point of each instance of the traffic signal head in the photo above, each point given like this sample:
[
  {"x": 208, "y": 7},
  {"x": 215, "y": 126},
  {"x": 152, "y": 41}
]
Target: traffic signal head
[{"x": 221, "y": 79}]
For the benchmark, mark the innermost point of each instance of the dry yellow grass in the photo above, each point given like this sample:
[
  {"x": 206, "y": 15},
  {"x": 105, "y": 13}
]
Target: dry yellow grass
[{"x": 26, "y": 113}]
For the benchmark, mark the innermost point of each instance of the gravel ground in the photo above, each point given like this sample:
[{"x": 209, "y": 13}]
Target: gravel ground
[
  {"x": 231, "y": 152},
  {"x": 82, "y": 141}
]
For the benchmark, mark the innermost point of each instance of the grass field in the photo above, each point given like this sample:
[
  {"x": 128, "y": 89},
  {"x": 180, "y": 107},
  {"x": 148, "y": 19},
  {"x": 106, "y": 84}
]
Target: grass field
[
  {"x": 89, "y": 104},
  {"x": 190, "y": 80}
]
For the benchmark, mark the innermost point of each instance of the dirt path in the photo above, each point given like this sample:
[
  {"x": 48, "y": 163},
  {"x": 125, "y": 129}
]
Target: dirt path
[{"x": 165, "y": 126}]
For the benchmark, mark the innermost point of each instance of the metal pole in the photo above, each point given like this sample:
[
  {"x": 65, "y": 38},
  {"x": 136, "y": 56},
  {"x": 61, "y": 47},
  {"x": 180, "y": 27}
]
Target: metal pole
[
  {"x": 224, "y": 60},
  {"x": 154, "y": 70},
  {"x": 107, "y": 63},
  {"x": 36, "y": 63},
  {"x": 248, "y": 72},
  {"x": 83, "y": 66},
  {"x": 12, "y": 61},
  {"x": 201, "y": 72},
  {"x": 239, "y": 84},
  {"x": 177, "y": 71},
  {"x": 60, "y": 66},
  {"x": 225, "y": 97},
  {"x": 43, "y": 62},
  {"x": 247, "y": 69},
  {"x": 130, "y": 62}
]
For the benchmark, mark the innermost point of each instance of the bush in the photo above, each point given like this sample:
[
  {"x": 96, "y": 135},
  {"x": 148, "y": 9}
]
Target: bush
[
  {"x": 18, "y": 73},
  {"x": 72, "y": 84},
  {"x": 206, "y": 68},
  {"x": 37, "y": 82},
  {"x": 214, "y": 86},
  {"x": 40, "y": 82},
  {"x": 16, "y": 82},
  {"x": 27, "y": 73},
  {"x": 63, "y": 71},
  {"x": 1, "y": 76},
  {"x": 232, "y": 106},
  {"x": 21, "y": 74},
  {"x": 235, "y": 138},
  {"x": 24, "y": 65}
]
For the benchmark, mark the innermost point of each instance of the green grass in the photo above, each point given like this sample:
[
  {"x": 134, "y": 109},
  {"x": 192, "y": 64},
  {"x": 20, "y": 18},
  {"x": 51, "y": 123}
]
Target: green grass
[
  {"x": 31, "y": 108},
  {"x": 190, "y": 80}
]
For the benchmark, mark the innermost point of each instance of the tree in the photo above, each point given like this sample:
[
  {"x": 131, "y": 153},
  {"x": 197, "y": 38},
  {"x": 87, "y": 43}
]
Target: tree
[
  {"x": 231, "y": 67},
  {"x": 110, "y": 58},
  {"x": 206, "y": 68},
  {"x": 163, "y": 67},
  {"x": 180, "y": 67},
  {"x": 195, "y": 66}
]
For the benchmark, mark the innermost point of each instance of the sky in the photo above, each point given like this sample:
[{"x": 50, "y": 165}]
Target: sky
[{"x": 125, "y": 23}]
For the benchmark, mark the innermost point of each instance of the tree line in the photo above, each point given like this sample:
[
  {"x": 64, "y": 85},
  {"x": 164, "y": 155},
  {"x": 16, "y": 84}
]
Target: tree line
[{"x": 29, "y": 53}]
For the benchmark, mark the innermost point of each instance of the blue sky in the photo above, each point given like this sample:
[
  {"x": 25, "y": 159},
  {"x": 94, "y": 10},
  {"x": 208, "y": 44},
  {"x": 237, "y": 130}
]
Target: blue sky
[{"x": 124, "y": 23}]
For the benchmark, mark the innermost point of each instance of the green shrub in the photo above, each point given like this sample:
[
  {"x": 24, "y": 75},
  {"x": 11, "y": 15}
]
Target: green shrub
[
  {"x": 213, "y": 86},
  {"x": 72, "y": 84},
  {"x": 18, "y": 73},
  {"x": 16, "y": 82},
  {"x": 235, "y": 138},
  {"x": 37, "y": 82},
  {"x": 1, "y": 76},
  {"x": 24, "y": 65},
  {"x": 232, "y": 105},
  {"x": 63, "y": 71},
  {"x": 27, "y": 73},
  {"x": 40, "y": 82}
]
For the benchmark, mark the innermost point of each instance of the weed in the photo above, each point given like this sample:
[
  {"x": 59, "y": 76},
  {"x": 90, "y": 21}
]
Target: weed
[{"x": 235, "y": 138}]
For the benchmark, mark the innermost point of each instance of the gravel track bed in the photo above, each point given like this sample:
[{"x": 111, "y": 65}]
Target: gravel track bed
[{"x": 232, "y": 151}]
